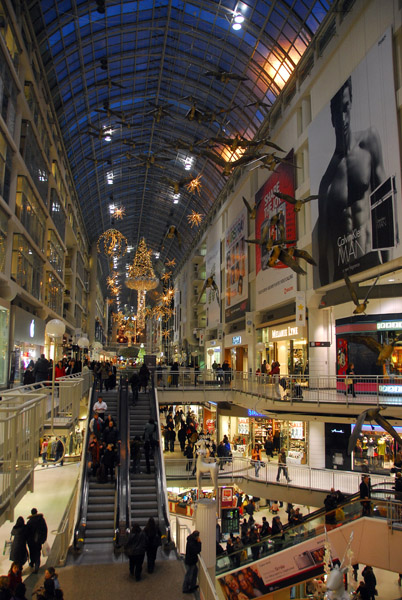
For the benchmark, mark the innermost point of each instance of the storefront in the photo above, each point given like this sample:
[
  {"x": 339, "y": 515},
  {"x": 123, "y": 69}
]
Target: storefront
[
  {"x": 29, "y": 341},
  {"x": 375, "y": 450},
  {"x": 236, "y": 351},
  {"x": 286, "y": 343},
  {"x": 4, "y": 334},
  {"x": 213, "y": 350},
  {"x": 245, "y": 428},
  {"x": 359, "y": 340}
]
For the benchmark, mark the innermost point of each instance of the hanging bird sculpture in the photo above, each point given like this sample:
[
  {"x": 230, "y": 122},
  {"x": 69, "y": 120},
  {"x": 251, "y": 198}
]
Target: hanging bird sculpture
[
  {"x": 360, "y": 308},
  {"x": 209, "y": 283},
  {"x": 372, "y": 414},
  {"x": 172, "y": 232},
  {"x": 296, "y": 203},
  {"x": 384, "y": 351},
  {"x": 252, "y": 212}
]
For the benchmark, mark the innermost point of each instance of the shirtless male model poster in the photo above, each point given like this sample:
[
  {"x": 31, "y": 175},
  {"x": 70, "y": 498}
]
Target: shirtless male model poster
[{"x": 355, "y": 169}]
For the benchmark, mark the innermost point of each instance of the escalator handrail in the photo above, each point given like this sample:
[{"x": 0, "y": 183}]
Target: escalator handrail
[
  {"x": 121, "y": 508},
  {"x": 288, "y": 528},
  {"x": 163, "y": 513},
  {"x": 80, "y": 527}
]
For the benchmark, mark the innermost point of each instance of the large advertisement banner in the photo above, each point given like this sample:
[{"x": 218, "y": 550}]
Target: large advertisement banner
[
  {"x": 355, "y": 169},
  {"x": 236, "y": 288},
  {"x": 213, "y": 269},
  {"x": 275, "y": 284},
  {"x": 275, "y": 572}
]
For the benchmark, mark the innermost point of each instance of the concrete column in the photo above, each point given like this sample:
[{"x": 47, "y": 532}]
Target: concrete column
[
  {"x": 316, "y": 457},
  {"x": 205, "y": 522},
  {"x": 93, "y": 274},
  {"x": 321, "y": 360}
]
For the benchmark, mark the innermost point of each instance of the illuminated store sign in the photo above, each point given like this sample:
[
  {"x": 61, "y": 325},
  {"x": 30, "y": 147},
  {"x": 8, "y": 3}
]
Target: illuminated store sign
[
  {"x": 254, "y": 413},
  {"x": 387, "y": 325},
  {"x": 236, "y": 340},
  {"x": 291, "y": 331},
  {"x": 390, "y": 389}
]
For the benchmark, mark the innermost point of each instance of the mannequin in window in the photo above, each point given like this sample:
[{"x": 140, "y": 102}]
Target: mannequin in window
[
  {"x": 381, "y": 447},
  {"x": 370, "y": 451}
]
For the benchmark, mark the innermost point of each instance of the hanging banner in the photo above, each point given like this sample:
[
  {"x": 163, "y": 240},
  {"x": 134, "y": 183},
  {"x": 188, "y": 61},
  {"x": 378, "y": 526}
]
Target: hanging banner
[
  {"x": 301, "y": 308},
  {"x": 236, "y": 268},
  {"x": 212, "y": 269}
]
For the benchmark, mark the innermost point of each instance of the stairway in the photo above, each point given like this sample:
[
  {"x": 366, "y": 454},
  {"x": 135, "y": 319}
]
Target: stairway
[
  {"x": 101, "y": 502},
  {"x": 144, "y": 494}
]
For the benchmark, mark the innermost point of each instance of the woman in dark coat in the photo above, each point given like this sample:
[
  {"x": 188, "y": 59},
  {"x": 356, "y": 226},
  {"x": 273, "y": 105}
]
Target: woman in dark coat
[
  {"x": 19, "y": 554},
  {"x": 143, "y": 377},
  {"x": 135, "y": 549},
  {"x": 153, "y": 541}
]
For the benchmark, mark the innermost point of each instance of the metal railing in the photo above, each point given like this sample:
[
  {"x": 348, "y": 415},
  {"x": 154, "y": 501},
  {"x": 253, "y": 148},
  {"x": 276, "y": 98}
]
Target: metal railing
[
  {"x": 180, "y": 532},
  {"x": 317, "y": 389},
  {"x": 301, "y": 476},
  {"x": 24, "y": 412},
  {"x": 64, "y": 534},
  {"x": 313, "y": 526}
]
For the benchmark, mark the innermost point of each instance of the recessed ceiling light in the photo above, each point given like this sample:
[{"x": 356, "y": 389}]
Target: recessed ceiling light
[
  {"x": 239, "y": 19},
  {"x": 391, "y": 279},
  {"x": 236, "y": 26}
]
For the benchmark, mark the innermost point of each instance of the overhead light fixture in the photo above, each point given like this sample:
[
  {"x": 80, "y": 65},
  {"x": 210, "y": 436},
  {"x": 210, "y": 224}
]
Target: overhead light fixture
[
  {"x": 176, "y": 198},
  {"x": 239, "y": 19},
  {"x": 236, "y": 26}
]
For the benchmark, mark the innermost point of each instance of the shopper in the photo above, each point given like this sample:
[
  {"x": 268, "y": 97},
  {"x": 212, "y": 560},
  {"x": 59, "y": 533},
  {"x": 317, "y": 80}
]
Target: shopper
[
  {"x": 14, "y": 576},
  {"x": 19, "y": 552},
  {"x": 153, "y": 541},
  {"x": 365, "y": 494},
  {"x": 36, "y": 536},
  {"x": 256, "y": 459},
  {"x": 150, "y": 442},
  {"x": 282, "y": 466},
  {"x": 100, "y": 407},
  {"x": 370, "y": 581},
  {"x": 135, "y": 549},
  {"x": 193, "y": 548},
  {"x": 350, "y": 384}
]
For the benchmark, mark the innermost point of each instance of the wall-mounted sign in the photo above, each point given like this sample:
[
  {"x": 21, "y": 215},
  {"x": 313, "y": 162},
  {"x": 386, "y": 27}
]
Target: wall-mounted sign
[
  {"x": 286, "y": 332},
  {"x": 319, "y": 344},
  {"x": 254, "y": 413},
  {"x": 212, "y": 343},
  {"x": 387, "y": 325},
  {"x": 236, "y": 340}
]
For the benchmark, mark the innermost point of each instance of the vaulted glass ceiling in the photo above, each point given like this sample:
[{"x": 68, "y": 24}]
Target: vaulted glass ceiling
[{"x": 140, "y": 88}]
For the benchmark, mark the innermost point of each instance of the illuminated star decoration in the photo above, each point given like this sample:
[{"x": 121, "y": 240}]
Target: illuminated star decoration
[
  {"x": 195, "y": 185},
  {"x": 194, "y": 218},
  {"x": 166, "y": 276},
  {"x": 170, "y": 263},
  {"x": 166, "y": 333},
  {"x": 119, "y": 212},
  {"x": 110, "y": 301},
  {"x": 111, "y": 281}
]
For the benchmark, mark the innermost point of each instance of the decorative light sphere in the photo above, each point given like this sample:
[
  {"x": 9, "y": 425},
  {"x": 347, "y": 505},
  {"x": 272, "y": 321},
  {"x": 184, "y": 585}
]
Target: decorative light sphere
[
  {"x": 260, "y": 346},
  {"x": 83, "y": 342},
  {"x": 55, "y": 328},
  {"x": 210, "y": 351},
  {"x": 97, "y": 346}
]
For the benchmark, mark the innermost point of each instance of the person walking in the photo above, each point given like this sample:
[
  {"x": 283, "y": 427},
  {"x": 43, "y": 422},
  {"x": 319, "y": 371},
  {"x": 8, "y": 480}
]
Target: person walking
[
  {"x": 350, "y": 384},
  {"x": 153, "y": 541},
  {"x": 143, "y": 377},
  {"x": 370, "y": 581},
  {"x": 41, "y": 369},
  {"x": 256, "y": 459},
  {"x": 365, "y": 494},
  {"x": 135, "y": 549},
  {"x": 19, "y": 552},
  {"x": 282, "y": 465},
  {"x": 150, "y": 442},
  {"x": 193, "y": 548},
  {"x": 36, "y": 528}
]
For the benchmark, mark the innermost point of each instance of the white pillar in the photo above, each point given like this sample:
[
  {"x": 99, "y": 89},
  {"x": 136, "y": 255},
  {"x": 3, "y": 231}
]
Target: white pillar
[{"x": 205, "y": 522}]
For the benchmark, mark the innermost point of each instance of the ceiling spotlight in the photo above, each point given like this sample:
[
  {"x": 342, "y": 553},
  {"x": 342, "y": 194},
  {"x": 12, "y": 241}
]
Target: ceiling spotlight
[
  {"x": 236, "y": 26},
  {"x": 238, "y": 19},
  {"x": 176, "y": 201}
]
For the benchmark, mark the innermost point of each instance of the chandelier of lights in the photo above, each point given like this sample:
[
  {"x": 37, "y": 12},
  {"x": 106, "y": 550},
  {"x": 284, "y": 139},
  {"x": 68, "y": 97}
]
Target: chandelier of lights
[
  {"x": 112, "y": 243},
  {"x": 141, "y": 277}
]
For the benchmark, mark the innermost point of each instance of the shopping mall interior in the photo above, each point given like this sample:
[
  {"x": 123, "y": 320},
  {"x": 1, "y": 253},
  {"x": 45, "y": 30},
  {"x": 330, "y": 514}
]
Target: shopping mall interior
[{"x": 169, "y": 243}]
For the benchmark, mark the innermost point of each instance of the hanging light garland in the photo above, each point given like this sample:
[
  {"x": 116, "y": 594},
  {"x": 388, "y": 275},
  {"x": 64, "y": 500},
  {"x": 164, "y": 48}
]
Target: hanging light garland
[
  {"x": 112, "y": 243},
  {"x": 170, "y": 263}
]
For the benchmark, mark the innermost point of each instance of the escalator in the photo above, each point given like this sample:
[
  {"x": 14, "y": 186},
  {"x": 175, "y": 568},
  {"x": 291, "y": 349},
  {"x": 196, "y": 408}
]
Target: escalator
[
  {"x": 99, "y": 508},
  {"x": 147, "y": 491},
  {"x": 298, "y": 554}
]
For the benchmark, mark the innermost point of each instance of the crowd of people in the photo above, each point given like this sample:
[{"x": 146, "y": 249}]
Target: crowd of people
[
  {"x": 141, "y": 543},
  {"x": 104, "y": 443},
  {"x": 27, "y": 539},
  {"x": 42, "y": 369}
]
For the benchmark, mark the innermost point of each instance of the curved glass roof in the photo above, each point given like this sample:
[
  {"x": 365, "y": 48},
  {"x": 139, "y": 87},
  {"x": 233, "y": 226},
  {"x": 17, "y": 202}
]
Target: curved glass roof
[{"x": 141, "y": 87}]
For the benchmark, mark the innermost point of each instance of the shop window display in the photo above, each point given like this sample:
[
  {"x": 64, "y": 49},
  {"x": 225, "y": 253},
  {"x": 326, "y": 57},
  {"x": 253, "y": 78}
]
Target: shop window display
[{"x": 374, "y": 451}]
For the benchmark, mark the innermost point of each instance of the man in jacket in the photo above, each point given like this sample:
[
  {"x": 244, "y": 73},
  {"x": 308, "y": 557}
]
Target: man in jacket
[
  {"x": 36, "y": 530},
  {"x": 150, "y": 442},
  {"x": 41, "y": 369},
  {"x": 193, "y": 548},
  {"x": 135, "y": 548},
  {"x": 282, "y": 465},
  {"x": 365, "y": 496}
]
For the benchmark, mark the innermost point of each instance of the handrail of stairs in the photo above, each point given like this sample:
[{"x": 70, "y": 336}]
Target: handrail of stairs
[
  {"x": 122, "y": 513},
  {"x": 81, "y": 521},
  {"x": 163, "y": 512}
]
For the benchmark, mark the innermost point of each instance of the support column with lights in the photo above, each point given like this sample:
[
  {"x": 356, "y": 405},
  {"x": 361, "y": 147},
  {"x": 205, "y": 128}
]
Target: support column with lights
[{"x": 93, "y": 274}]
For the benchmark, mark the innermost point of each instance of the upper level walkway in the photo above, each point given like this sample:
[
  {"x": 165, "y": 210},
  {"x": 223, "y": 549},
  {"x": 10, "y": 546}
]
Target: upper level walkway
[{"x": 324, "y": 395}]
